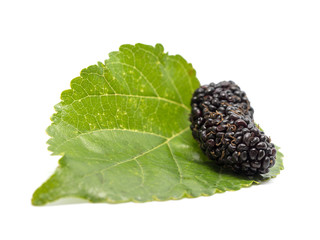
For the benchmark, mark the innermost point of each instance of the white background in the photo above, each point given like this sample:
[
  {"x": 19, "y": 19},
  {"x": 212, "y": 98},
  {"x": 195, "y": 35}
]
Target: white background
[{"x": 270, "y": 48}]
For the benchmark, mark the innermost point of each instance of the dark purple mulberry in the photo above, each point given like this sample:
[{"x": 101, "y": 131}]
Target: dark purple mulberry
[{"x": 222, "y": 122}]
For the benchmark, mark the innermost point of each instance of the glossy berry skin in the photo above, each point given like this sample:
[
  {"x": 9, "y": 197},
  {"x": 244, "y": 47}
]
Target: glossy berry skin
[
  {"x": 224, "y": 92},
  {"x": 222, "y": 122}
]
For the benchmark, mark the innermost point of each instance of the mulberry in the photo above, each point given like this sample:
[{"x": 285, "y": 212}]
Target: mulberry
[
  {"x": 213, "y": 95},
  {"x": 222, "y": 123}
]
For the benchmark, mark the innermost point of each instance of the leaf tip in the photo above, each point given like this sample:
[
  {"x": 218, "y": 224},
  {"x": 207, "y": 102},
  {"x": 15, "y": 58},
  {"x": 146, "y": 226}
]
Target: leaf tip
[{"x": 36, "y": 200}]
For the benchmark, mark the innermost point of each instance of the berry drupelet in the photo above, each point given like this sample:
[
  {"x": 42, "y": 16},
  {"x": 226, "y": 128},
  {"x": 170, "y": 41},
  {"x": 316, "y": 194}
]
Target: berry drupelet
[
  {"x": 213, "y": 95},
  {"x": 222, "y": 122}
]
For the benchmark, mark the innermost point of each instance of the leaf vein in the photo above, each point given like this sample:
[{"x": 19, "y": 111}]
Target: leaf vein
[
  {"x": 169, "y": 77},
  {"x": 113, "y": 129},
  {"x": 136, "y": 96},
  {"x": 176, "y": 162},
  {"x": 136, "y": 69},
  {"x": 138, "y": 156}
]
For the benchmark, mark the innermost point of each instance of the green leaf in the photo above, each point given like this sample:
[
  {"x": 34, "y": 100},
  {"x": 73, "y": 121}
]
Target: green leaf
[{"x": 123, "y": 132}]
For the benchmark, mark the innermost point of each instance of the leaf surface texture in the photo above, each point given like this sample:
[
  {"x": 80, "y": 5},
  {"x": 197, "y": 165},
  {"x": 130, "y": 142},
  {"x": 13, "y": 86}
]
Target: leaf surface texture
[{"x": 123, "y": 133}]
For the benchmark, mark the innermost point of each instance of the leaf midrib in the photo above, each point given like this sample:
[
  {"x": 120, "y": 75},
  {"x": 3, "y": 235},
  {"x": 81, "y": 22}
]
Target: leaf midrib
[
  {"x": 135, "y": 96},
  {"x": 107, "y": 129}
]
